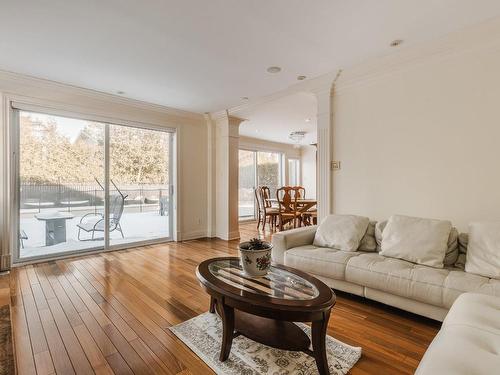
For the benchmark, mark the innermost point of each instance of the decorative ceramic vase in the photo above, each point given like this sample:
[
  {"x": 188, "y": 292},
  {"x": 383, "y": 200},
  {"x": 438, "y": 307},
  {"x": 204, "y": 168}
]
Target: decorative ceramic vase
[{"x": 255, "y": 263}]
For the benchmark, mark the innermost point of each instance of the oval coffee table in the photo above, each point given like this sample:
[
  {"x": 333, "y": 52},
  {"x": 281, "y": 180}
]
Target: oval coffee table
[{"x": 264, "y": 308}]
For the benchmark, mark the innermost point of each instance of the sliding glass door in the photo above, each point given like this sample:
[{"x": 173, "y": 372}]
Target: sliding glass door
[
  {"x": 139, "y": 177},
  {"x": 257, "y": 168},
  {"x": 84, "y": 185},
  {"x": 247, "y": 184}
]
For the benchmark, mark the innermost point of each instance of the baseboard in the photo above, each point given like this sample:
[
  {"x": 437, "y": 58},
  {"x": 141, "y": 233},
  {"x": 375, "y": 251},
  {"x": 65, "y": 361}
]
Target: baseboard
[{"x": 193, "y": 235}]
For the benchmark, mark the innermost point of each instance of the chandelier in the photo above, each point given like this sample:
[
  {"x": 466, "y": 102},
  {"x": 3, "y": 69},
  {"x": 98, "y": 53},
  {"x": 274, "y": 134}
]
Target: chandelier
[{"x": 297, "y": 137}]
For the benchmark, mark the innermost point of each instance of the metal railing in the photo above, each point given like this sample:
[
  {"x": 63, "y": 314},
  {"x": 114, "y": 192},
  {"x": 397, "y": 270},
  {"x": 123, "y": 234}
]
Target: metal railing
[{"x": 37, "y": 196}]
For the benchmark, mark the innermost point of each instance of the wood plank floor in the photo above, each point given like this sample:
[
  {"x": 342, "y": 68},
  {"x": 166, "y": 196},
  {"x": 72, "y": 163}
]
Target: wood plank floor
[{"x": 110, "y": 313}]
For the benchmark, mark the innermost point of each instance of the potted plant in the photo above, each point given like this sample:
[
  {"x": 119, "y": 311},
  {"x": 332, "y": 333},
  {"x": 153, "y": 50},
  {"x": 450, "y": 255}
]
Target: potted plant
[{"x": 255, "y": 257}]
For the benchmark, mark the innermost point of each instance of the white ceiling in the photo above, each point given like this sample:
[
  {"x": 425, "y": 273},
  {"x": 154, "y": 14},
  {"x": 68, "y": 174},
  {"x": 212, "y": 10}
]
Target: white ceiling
[{"x": 204, "y": 55}]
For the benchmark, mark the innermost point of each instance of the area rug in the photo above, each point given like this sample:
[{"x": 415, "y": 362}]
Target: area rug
[
  {"x": 203, "y": 333},
  {"x": 6, "y": 356}
]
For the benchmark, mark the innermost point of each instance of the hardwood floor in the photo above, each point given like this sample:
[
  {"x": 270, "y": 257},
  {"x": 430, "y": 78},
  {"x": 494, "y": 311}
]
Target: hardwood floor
[{"x": 110, "y": 313}]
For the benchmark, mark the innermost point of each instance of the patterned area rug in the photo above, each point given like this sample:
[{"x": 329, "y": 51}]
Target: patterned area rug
[
  {"x": 202, "y": 335},
  {"x": 6, "y": 356}
]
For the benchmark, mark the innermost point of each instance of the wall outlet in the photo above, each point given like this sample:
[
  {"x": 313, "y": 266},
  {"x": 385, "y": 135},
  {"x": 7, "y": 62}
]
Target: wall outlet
[{"x": 335, "y": 165}]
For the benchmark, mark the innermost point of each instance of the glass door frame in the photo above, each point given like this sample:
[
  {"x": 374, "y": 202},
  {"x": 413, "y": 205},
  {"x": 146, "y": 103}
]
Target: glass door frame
[{"x": 13, "y": 209}]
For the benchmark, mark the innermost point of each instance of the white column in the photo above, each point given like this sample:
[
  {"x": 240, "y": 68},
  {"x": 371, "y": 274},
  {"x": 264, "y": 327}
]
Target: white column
[
  {"x": 325, "y": 149},
  {"x": 226, "y": 176}
]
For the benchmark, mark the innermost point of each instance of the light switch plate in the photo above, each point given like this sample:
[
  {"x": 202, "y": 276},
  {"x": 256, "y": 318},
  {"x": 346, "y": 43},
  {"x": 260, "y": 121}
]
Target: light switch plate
[{"x": 335, "y": 165}]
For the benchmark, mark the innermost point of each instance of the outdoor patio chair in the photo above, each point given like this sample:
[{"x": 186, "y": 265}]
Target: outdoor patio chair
[
  {"x": 94, "y": 222},
  {"x": 22, "y": 236}
]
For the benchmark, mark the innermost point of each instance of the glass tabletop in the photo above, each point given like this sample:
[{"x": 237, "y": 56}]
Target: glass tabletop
[{"x": 278, "y": 283}]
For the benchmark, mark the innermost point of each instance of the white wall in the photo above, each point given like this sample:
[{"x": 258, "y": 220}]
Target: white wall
[
  {"x": 191, "y": 140},
  {"x": 418, "y": 133},
  {"x": 308, "y": 170}
]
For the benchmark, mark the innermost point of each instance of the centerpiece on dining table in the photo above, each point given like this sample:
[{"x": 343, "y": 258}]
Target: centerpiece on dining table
[{"x": 255, "y": 256}]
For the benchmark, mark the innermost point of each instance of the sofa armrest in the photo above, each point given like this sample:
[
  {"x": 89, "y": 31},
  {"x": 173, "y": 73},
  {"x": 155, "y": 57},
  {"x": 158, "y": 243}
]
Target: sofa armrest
[{"x": 283, "y": 241}]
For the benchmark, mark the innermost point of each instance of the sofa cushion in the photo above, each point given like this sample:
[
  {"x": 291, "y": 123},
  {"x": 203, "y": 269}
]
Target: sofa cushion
[
  {"x": 320, "y": 261},
  {"x": 483, "y": 252},
  {"x": 399, "y": 277},
  {"x": 452, "y": 253},
  {"x": 476, "y": 310},
  {"x": 417, "y": 240},
  {"x": 368, "y": 242},
  {"x": 341, "y": 232},
  {"x": 439, "y": 287},
  {"x": 459, "y": 282},
  {"x": 460, "y": 350},
  {"x": 472, "y": 330}
]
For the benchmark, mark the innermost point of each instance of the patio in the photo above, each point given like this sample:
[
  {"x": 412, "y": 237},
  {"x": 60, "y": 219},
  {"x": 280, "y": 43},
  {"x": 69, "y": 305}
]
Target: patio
[{"x": 136, "y": 225}]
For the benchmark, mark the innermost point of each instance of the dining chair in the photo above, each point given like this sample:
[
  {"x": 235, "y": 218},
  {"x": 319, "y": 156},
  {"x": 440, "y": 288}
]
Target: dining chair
[
  {"x": 287, "y": 206},
  {"x": 301, "y": 191},
  {"x": 266, "y": 210}
]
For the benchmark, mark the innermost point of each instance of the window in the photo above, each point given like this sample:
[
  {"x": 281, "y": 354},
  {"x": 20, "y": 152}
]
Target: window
[
  {"x": 293, "y": 172},
  {"x": 257, "y": 168}
]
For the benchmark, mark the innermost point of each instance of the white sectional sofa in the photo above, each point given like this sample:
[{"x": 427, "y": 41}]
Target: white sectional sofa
[
  {"x": 469, "y": 340},
  {"x": 417, "y": 288}
]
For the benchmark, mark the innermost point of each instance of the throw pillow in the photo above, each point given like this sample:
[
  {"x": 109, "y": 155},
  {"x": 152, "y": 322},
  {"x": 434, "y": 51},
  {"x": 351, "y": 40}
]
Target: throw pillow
[
  {"x": 463, "y": 242},
  {"x": 452, "y": 251},
  {"x": 368, "y": 242},
  {"x": 483, "y": 252},
  {"x": 341, "y": 232},
  {"x": 417, "y": 240},
  {"x": 379, "y": 228}
]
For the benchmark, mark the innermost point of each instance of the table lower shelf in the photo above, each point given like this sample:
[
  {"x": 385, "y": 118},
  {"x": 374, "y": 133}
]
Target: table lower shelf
[{"x": 274, "y": 333}]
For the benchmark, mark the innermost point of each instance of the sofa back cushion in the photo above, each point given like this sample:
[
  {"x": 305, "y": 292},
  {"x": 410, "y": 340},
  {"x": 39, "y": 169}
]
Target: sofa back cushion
[
  {"x": 341, "y": 232},
  {"x": 417, "y": 240},
  {"x": 368, "y": 243},
  {"x": 451, "y": 255},
  {"x": 483, "y": 251},
  {"x": 379, "y": 229},
  {"x": 463, "y": 242},
  {"x": 452, "y": 252}
]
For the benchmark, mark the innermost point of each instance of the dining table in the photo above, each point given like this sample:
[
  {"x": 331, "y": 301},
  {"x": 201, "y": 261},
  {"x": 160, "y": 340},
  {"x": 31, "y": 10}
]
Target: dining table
[{"x": 303, "y": 204}]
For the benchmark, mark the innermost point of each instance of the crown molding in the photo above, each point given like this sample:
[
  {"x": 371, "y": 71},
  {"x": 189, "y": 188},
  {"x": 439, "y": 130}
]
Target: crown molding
[
  {"x": 480, "y": 37},
  {"x": 10, "y": 83},
  {"x": 313, "y": 86}
]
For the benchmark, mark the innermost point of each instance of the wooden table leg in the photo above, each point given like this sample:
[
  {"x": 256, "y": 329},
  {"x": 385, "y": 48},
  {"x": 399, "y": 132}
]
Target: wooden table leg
[
  {"x": 227, "y": 315},
  {"x": 213, "y": 301},
  {"x": 319, "y": 343}
]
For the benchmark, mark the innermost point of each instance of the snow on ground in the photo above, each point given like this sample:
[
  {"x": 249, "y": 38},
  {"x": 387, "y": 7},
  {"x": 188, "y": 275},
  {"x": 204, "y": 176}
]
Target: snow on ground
[{"x": 136, "y": 226}]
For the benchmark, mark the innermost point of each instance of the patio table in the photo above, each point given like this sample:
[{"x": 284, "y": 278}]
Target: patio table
[{"x": 55, "y": 226}]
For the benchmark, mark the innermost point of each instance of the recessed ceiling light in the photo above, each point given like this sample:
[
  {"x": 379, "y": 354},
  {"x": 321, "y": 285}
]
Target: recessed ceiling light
[
  {"x": 120, "y": 92},
  {"x": 396, "y": 42},
  {"x": 308, "y": 119},
  {"x": 244, "y": 98},
  {"x": 301, "y": 78},
  {"x": 274, "y": 69}
]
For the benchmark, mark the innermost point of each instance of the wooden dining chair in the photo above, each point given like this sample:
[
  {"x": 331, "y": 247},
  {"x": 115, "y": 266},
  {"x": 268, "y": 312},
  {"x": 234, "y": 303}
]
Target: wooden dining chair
[
  {"x": 310, "y": 217},
  {"x": 287, "y": 206},
  {"x": 301, "y": 191},
  {"x": 266, "y": 211}
]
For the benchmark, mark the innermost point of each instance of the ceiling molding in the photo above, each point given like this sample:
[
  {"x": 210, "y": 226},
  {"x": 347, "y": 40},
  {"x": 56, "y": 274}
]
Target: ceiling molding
[
  {"x": 9, "y": 79},
  {"x": 480, "y": 37},
  {"x": 313, "y": 86}
]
